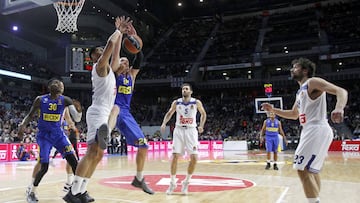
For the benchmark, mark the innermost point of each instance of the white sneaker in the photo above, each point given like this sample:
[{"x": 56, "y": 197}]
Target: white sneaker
[
  {"x": 171, "y": 188},
  {"x": 28, "y": 190},
  {"x": 184, "y": 188}
]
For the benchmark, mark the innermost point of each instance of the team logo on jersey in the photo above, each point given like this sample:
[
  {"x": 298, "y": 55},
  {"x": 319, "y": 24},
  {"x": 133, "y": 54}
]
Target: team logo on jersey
[
  {"x": 198, "y": 183},
  {"x": 59, "y": 102},
  {"x": 125, "y": 81},
  {"x": 45, "y": 100}
]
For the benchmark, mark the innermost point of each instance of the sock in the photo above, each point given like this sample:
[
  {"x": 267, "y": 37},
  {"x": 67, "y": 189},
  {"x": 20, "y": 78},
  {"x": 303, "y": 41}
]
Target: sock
[
  {"x": 274, "y": 162},
  {"x": 314, "y": 200},
  {"x": 84, "y": 185},
  {"x": 75, "y": 188},
  {"x": 33, "y": 189},
  {"x": 70, "y": 178},
  {"x": 139, "y": 175},
  {"x": 32, "y": 182},
  {"x": 267, "y": 161},
  {"x": 188, "y": 177},
  {"x": 173, "y": 178}
]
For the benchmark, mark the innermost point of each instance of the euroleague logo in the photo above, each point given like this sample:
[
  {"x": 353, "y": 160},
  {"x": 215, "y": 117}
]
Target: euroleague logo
[{"x": 198, "y": 183}]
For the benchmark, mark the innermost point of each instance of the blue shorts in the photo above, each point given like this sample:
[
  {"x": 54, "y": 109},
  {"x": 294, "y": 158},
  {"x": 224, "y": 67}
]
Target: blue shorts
[
  {"x": 53, "y": 137},
  {"x": 272, "y": 143},
  {"x": 130, "y": 129},
  {"x": 25, "y": 157}
]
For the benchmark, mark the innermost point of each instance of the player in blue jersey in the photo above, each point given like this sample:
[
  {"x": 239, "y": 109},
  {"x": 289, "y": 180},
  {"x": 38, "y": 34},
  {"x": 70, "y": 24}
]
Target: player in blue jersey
[
  {"x": 271, "y": 128},
  {"x": 50, "y": 108},
  {"x": 125, "y": 122}
]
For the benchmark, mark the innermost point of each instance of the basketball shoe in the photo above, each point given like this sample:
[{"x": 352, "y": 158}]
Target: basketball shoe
[
  {"x": 184, "y": 188},
  {"x": 102, "y": 136},
  {"x": 171, "y": 188},
  {"x": 142, "y": 185}
]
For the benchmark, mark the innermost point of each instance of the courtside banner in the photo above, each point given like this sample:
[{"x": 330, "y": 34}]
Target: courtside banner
[
  {"x": 4, "y": 152},
  {"x": 8, "y": 151},
  {"x": 204, "y": 145},
  {"x": 345, "y": 146},
  {"x": 163, "y": 145},
  {"x": 151, "y": 146}
]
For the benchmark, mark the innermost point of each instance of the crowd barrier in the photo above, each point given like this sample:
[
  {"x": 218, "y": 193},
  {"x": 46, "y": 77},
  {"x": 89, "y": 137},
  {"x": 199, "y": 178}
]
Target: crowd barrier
[
  {"x": 8, "y": 151},
  {"x": 345, "y": 146}
]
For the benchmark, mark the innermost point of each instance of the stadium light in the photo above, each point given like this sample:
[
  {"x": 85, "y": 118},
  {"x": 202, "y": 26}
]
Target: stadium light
[{"x": 15, "y": 75}]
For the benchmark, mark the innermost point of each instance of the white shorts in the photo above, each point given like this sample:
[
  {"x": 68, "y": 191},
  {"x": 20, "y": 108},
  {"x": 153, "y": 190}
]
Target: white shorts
[
  {"x": 95, "y": 117},
  {"x": 185, "y": 138},
  {"x": 313, "y": 147}
]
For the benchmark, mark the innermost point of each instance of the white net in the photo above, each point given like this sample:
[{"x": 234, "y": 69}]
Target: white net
[{"x": 68, "y": 12}]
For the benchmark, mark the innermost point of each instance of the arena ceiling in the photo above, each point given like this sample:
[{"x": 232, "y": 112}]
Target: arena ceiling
[{"x": 37, "y": 19}]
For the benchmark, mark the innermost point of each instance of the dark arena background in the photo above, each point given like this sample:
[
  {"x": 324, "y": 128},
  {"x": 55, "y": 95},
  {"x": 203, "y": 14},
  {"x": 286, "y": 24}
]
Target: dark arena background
[{"x": 236, "y": 54}]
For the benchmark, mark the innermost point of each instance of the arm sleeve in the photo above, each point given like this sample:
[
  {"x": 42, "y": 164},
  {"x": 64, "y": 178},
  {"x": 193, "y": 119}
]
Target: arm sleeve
[
  {"x": 74, "y": 113},
  {"x": 139, "y": 57}
]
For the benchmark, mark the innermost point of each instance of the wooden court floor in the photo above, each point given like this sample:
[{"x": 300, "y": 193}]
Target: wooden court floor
[{"x": 224, "y": 177}]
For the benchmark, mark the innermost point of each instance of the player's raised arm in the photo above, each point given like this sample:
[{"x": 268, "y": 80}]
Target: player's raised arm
[{"x": 122, "y": 24}]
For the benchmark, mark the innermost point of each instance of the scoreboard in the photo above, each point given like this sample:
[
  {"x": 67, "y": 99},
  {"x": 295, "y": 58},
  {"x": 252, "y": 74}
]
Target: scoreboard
[{"x": 78, "y": 59}]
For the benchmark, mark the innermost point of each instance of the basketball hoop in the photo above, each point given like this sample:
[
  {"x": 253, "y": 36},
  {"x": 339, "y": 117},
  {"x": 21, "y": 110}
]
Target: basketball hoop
[{"x": 68, "y": 12}]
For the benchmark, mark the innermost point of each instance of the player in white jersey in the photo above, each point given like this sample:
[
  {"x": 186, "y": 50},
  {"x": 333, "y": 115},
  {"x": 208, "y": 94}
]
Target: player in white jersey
[
  {"x": 104, "y": 92},
  {"x": 316, "y": 135},
  {"x": 185, "y": 134}
]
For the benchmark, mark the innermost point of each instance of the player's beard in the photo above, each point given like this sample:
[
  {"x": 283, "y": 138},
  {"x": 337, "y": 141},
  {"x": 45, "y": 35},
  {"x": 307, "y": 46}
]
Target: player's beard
[{"x": 297, "y": 77}]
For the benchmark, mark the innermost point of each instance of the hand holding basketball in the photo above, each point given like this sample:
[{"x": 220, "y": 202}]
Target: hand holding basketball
[
  {"x": 122, "y": 24},
  {"x": 132, "y": 44}
]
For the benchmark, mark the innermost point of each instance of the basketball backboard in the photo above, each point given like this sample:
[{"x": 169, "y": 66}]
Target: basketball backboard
[
  {"x": 277, "y": 102},
  {"x": 13, "y": 6}
]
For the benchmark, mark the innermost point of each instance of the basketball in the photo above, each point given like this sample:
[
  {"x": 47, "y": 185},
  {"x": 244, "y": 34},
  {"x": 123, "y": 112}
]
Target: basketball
[{"x": 132, "y": 44}]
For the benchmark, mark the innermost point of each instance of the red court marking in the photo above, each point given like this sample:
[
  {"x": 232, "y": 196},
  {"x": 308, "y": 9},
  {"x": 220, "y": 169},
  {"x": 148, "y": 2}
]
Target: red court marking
[{"x": 198, "y": 183}]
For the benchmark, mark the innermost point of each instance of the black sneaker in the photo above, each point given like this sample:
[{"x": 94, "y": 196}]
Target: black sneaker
[
  {"x": 70, "y": 198},
  {"x": 142, "y": 185},
  {"x": 275, "y": 167},
  {"x": 88, "y": 197},
  {"x": 31, "y": 197},
  {"x": 102, "y": 136},
  {"x": 267, "y": 166}
]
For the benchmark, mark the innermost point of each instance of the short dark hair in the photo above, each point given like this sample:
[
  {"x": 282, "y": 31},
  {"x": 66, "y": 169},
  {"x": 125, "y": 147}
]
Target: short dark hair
[
  {"x": 53, "y": 79},
  {"x": 306, "y": 64},
  {"x": 186, "y": 84},
  {"x": 92, "y": 50}
]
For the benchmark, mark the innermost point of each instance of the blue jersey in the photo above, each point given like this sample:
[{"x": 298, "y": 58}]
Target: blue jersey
[
  {"x": 124, "y": 91},
  {"x": 272, "y": 127},
  {"x": 51, "y": 111}
]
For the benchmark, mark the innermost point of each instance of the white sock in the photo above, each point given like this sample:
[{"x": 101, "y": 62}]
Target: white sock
[
  {"x": 188, "y": 177},
  {"x": 70, "y": 178},
  {"x": 173, "y": 178},
  {"x": 75, "y": 188},
  {"x": 32, "y": 182},
  {"x": 267, "y": 161},
  {"x": 139, "y": 175},
  {"x": 33, "y": 189},
  {"x": 314, "y": 200},
  {"x": 84, "y": 185}
]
